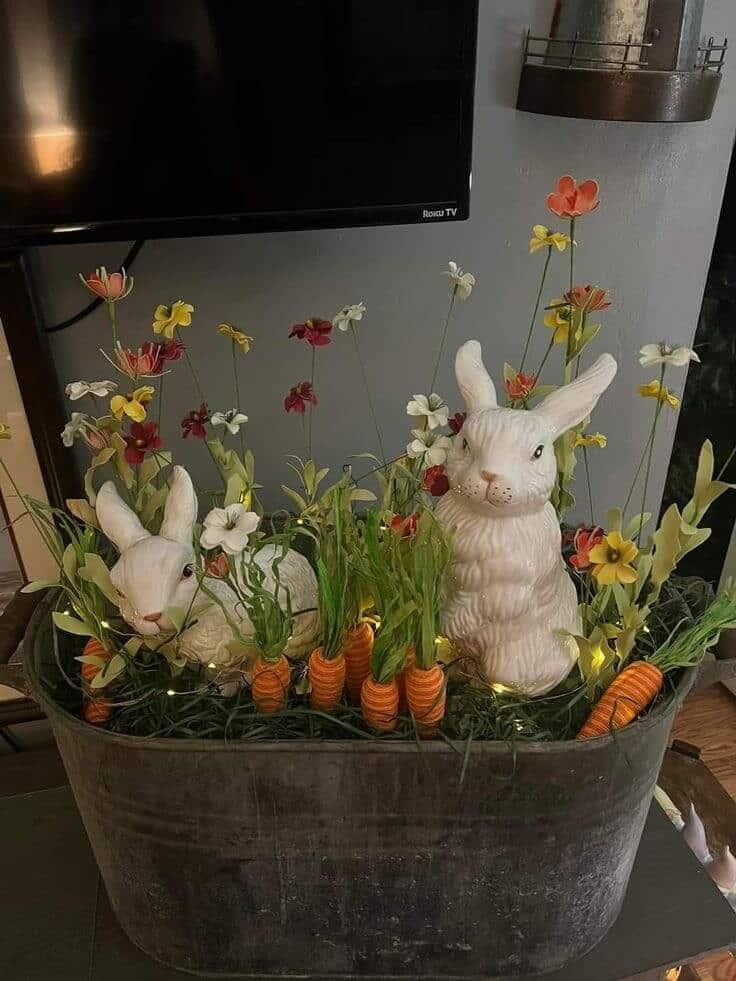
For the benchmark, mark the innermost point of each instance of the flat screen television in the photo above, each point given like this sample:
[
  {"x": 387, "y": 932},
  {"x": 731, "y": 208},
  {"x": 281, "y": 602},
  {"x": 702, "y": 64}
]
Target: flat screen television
[{"x": 123, "y": 120}]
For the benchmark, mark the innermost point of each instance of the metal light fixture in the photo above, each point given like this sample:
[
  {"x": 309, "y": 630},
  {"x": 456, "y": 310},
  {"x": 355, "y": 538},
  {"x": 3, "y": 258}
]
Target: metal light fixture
[{"x": 637, "y": 60}]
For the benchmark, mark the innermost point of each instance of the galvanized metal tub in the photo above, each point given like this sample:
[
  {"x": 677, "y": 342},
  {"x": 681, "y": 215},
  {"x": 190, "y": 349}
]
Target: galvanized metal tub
[{"x": 358, "y": 859}]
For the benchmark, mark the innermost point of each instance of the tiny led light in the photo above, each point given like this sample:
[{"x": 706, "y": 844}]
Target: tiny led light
[
  {"x": 105, "y": 624},
  {"x": 171, "y": 692},
  {"x": 300, "y": 521},
  {"x": 212, "y": 665}
]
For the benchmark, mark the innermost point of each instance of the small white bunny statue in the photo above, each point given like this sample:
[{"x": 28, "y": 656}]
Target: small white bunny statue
[
  {"x": 155, "y": 572},
  {"x": 510, "y": 600}
]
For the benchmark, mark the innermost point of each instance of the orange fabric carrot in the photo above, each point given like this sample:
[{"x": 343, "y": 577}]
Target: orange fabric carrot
[
  {"x": 380, "y": 703},
  {"x": 627, "y": 696},
  {"x": 327, "y": 680},
  {"x": 425, "y": 694},
  {"x": 97, "y": 711},
  {"x": 270, "y": 684},
  {"x": 357, "y": 649},
  {"x": 401, "y": 677},
  {"x": 95, "y": 648}
]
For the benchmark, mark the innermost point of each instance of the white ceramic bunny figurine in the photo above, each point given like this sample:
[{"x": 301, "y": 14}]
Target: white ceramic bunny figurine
[
  {"x": 155, "y": 572},
  {"x": 510, "y": 599}
]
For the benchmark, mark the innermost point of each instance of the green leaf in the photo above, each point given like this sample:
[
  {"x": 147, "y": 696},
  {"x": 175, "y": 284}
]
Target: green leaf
[
  {"x": 614, "y": 519},
  {"x": 69, "y": 562},
  {"x": 153, "y": 505},
  {"x": 99, "y": 662},
  {"x": 235, "y": 487},
  {"x": 509, "y": 375},
  {"x": 99, "y": 460},
  {"x": 38, "y": 584},
  {"x": 296, "y": 498},
  {"x": 81, "y": 509},
  {"x": 71, "y": 625},
  {"x": 362, "y": 494},
  {"x": 124, "y": 469},
  {"x": 177, "y": 616},
  {"x": 132, "y": 646},
  {"x": 95, "y": 571},
  {"x": 706, "y": 490},
  {"x": 112, "y": 670},
  {"x": 695, "y": 540},
  {"x": 632, "y": 527},
  {"x": 666, "y": 540}
]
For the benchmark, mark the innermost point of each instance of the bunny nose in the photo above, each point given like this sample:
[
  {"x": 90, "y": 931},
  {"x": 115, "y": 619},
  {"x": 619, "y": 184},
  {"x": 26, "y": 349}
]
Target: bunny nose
[
  {"x": 153, "y": 617},
  {"x": 490, "y": 477}
]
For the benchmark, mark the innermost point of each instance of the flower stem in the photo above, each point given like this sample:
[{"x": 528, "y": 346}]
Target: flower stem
[
  {"x": 160, "y": 401},
  {"x": 657, "y": 412},
  {"x": 193, "y": 372},
  {"x": 311, "y": 404},
  {"x": 546, "y": 355},
  {"x": 536, "y": 307},
  {"x": 587, "y": 480},
  {"x": 724, "y": 468},
  {"x": 113, "y": 322},
  {"x": 568, "y": 368},
  {"x": 442, "y": 339},
  {"x": 237, "y": 396},
  {"x": 367, "y": 390}
]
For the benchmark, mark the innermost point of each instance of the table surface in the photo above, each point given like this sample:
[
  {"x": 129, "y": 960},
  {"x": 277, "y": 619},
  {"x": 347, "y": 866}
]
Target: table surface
[{"x": 57, "y": 922}]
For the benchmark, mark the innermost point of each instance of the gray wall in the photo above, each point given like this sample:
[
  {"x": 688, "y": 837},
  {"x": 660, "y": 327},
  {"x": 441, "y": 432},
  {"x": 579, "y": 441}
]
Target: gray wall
[{"x": 649, "y": 243}]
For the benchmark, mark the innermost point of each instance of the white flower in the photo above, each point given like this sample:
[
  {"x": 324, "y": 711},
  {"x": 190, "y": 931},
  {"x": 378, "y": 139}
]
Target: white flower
[
  {"x": 345, "y": 318},
  {"x": 232, "y": 418},
  {"x": 428, "y": 447},
  {"x": 433, "y": 409},
  {"x": 73, "y": 428},
  {"x": 460, "y": 283},
  {"x": 77, "y": 390},
  {"x": 229, "y": 528},
  {"x": 666, "y": 354}
]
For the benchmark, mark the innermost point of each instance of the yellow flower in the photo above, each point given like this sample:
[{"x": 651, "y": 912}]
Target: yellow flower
[
  {"x": 542, "y": 236},
  {"x": 612, "y": 559},
  {"x": 166, "y": 320},
  {"x": 655, "y": 390},
  {"x": 236, "y": 336},
  {"x": 558, "y": 319},
  {"x": 4, "y": 431},
  {"x": 591, "y": 439},
  {"x": 133, "y": 405}
]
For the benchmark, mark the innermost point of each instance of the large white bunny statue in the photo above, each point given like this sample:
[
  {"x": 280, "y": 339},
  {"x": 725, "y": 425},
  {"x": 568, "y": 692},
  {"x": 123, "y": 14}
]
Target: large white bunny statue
[
  {"x": 510, "y": 601},
  {"x": 155, "y": 572}
]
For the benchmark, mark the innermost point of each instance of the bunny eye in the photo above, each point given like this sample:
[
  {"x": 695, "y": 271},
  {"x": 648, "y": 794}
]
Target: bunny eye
[
  {"x": 466, "y": 444},
  {"x": 538, "y": 452},
  {"x": 188, "y": 571}
]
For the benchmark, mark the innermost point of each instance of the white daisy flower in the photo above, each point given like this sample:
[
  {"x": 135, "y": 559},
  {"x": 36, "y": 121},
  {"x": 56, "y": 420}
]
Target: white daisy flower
[
  {"x": 433, "y": 408},
  {"x": 229, "y": 528},
  {"x": 344, "y": 319},
  {"x": 74, "y": 428},
  {"x": 461, "y": 282},
  {"x": 232, "y": 418},
  {"x": 428, "y": 447},
  {"x": 667, "y": 354},
  {"x": 77, "y": 390}
]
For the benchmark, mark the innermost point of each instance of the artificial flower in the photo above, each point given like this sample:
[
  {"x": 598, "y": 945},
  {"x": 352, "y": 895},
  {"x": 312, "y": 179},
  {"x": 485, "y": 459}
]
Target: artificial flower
[
  {"x": 591, "y": 439},
  {"x": 238, "y": 337},
  {"x": 173, "y": 350},
  {"x": 74, "y": 428},
  {"x": 146, "y": 362},
  {"x": 457, "y": 422},
  {"x": 542, "y": 236},
  {"x": 132, "y": 405},
  {"x": 588, "y": 298},
  {"x": 217, "y": 566},
  {"x": 108, "y": 286},
  {"x": 433, "y": 409},
  {"x": 143, "y": 439},
  {"x": 656, "y": 390},
  {"x": 520, "y": 386},
  {"x": 435, "y": 481},
  {"x": 585, "y": 538},
  {"x": 612, "y": 558},
  {"x": 299, "y": 396},
  {"x": 461, "y": 283},
  {"x": 5, "y": 432},
  {"x": 662, "y": 353},
  {"x": 232, "y": 418},
  {"x": 557, "y": 318},
  {"x": 428, "y": 447},
  {"x": 229, "y": 528},
  {"x": 404, "y": 527},
  {"x": 314, "y": 331},
  {"x": 194, "y": 422},
  {"x": 96, "y": 439},
  {"x": 77, "y": 390},
  {"x": 349, "y": 316},
  {"x": 167, "y": 319},
  {"x": 571, "y": 199}
]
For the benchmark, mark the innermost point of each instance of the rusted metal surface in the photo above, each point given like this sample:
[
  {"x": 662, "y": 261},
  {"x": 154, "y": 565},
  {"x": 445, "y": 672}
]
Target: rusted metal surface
[{"x": 354, "y": 859}]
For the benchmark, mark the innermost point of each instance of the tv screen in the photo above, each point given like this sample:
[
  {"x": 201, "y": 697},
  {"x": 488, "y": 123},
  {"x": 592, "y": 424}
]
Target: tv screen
[{"x": 174, "y": 117}]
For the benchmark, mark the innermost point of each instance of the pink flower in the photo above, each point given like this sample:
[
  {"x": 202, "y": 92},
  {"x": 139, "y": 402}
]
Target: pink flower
[
  {"x": 586, "y": 538},
  {"x": 457, "y": 422},
  {"x": 108, "y": 286},
  {"x": 588, "y": 298},
  {"x": 143, "y": 439},
  {"x": 405, "y": 527},
  {"x": 571, "y": 200},
  {"x": 435, "y": 481},
  {"x": 314, "y": 331},
  {"x": 521, "y": 386},
  {"x": 299, "y": 396},
  {"x": 194, "y": 423},
  {"x": 217, "y": 566}
]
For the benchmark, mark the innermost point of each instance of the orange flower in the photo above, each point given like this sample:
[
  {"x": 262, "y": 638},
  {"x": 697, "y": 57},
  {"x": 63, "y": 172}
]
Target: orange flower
[
  {"x": 571, "y": 199},
  {"x": 585, "y": 539},
  {"x": 520, "y": 386},
  {"x": 108, "y": 286},
  {"x": 588, "y": 298},
  {"x": 405, "y": 527}
]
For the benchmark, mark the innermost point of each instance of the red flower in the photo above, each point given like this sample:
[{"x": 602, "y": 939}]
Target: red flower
[
  {"x": 588, "y": 298},
  {"x": 405, "y": 527},
  {"x": 194, "y": 423},
  {"x": 586, "y": 538},
  {"x": 147, "y": 360},
  {"x": 143, "y": 438},
  {"x": 299, "y": 395},
  {"x": 217, "y": 566},
  {"x": 435, "y": 481},
  {"x": 172, "y": 351},
  {"x": 521, "y": 386},
  {"x": 457, "y": 421},
  {"x": 571, "y": 199},
  {"x": 314, "y": 331}
]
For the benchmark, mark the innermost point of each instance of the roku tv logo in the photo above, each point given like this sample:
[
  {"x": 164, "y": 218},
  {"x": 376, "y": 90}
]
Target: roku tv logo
[{"x": 439, "y": 212}]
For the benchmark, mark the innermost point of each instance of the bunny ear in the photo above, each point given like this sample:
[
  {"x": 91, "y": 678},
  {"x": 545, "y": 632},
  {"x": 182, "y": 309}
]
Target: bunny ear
[
  {"x": 473, "y": 380},
  {"x": 571, "y": 404},
  {"x": 180, "y": 511},
  {"x": 119, "y": 523}
]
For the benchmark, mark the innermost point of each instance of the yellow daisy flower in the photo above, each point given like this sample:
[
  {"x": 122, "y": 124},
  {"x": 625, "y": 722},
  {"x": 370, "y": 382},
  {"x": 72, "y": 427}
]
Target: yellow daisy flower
[
  {"x": 167, "y": 319},
  {"x": 542, "y": 236},
  {"x": 236, "y": 336},
  {"x": 612, "y": 559},
  {"x": 591, "y": 439},
  {"x": 133, "y": 405},
  {"x": 4, "y": 431},
  {"x": 655, "y": 390},
  {"x": 558, "y": 319}
]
